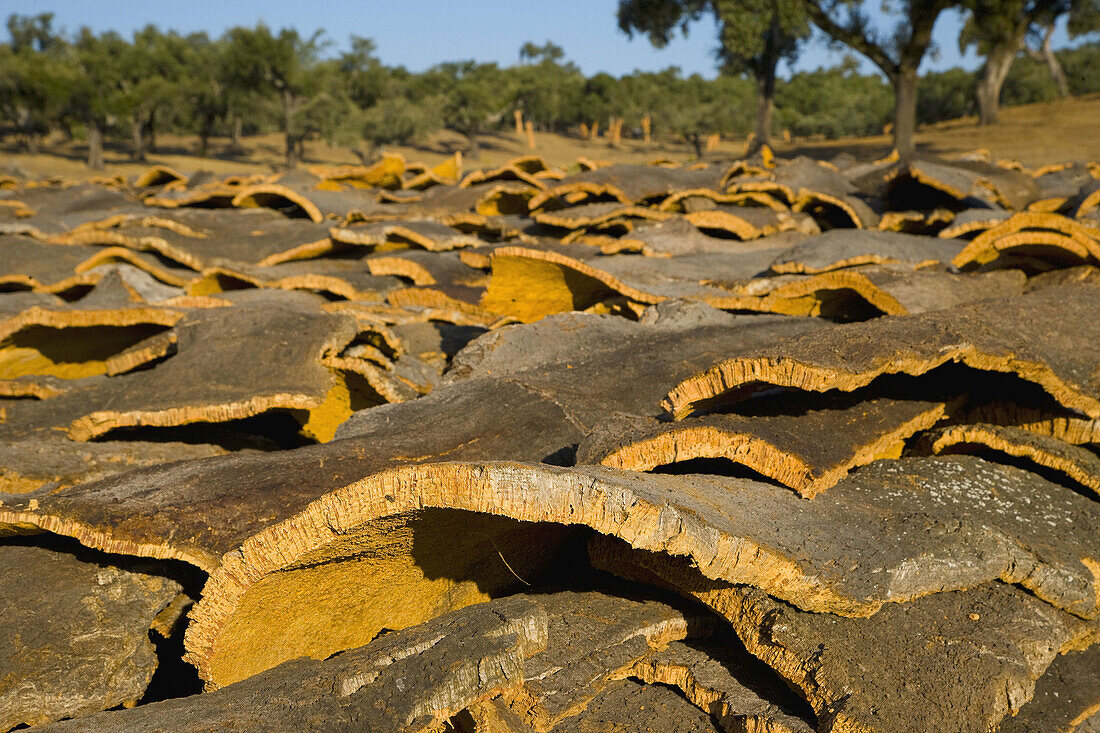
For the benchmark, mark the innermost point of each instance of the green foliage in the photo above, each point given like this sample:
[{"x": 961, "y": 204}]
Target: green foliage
[
  {"x": 1028, "y": 81},
  {"x": 946, "y": 95},
  {"x": 834, "y": 102},
  {"x": 1081, "y": 66},
  {"x": 280, "y": 80}
]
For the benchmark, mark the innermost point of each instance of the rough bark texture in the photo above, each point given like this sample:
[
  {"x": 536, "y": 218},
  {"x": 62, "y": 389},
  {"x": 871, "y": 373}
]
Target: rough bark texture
[
  {"x": 76, "y": 635},
  {"x": 809, "y": 451},
  {"x": 901, "y": 669},
  {"x": 1010, "y": 335},
  {"x": 409, "y": 681},
  {"x": 883, "y": 536}
]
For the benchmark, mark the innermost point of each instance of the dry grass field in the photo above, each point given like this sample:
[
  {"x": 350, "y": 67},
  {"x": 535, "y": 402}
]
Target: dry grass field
[{"x": 1033, "y": 134}]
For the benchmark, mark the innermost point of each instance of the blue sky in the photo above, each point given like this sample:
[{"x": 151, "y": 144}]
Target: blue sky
[{"x": 419, "y": 33}]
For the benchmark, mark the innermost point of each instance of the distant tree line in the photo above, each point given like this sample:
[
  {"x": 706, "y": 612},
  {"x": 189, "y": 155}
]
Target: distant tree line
[{"x": 250, "y": 80}]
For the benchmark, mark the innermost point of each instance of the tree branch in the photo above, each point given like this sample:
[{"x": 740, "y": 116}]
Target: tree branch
[{"x": 853, "y": 37}]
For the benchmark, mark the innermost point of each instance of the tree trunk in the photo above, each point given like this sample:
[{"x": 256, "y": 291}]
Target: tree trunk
[
  {"x": 696, "y": 141},
  {"x": 993, "y": 78},
  {"x": 765, "y": 106},
  {"x": 1056, "y": 71},
  {"x": 288, "y": 129},
  {"x": 137, "y": 132},
  {"x": 235, "y": 140},
  {"x": 474, "y": 151},
  {"x": 151, "y": 132},
  {"x": 95, "y": 146},
  {"x": 905, "y": 111}
]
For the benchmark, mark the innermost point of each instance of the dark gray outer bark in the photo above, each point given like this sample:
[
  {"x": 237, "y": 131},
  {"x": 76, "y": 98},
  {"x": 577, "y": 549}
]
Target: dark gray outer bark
[
  {"x": 137, "y": 133},
  {"x": 76, "y": 634},
  {"x": 958, "y": 661},
  {"x": 402, "y": 682},
  {"x": 905, "y": 111},
  {"x": 627, "y": 707},
  {"x": 95, "y": 146}
]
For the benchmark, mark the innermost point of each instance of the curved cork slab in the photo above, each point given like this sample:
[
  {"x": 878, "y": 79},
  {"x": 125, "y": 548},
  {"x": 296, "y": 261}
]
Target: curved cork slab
[
  {"x": 808, "y": 452},
  {"x": 840, "y": 248},
  {"x": 382, "y": 236},
  {"x": 899, "y": 670},
  {"x": 862, "y": 293},
  {"x": 593, "y": 639},
  {"x": 628, "y": 705},
  {"x": 159, "y": 175},
  {"x": 870, "y": 542},
  {"x": 198, "y": 510},
  {"x": 411, "y": 681},
  {"x": 1066, "y": 696},
  {"x": 916, "y": 222},
  {"x": 728, "y": 683},
  {"x": 211, "y": 379},
  {"x": 29, "y": 464},
  {"x": 972, "y": 222},
  {"x": 628, "y": 184},
  {"x": 529, "y": 284},
  {"x": 1064, "y": 426},
  {"x": 956, "y": 185},
  {"x": 1012, "y": 335},
  {"x": 591, "y": 215},
  {"x": 1075, "y": 463},
  {"x": 30, "y": 345},
  {"x": 1048, "y": 236},
  {"x": 93, "y": 650},
  {"x": 386, "y": 172},
  {"x": 275, "y": 196},
  {"x": 581, "y": 361}
]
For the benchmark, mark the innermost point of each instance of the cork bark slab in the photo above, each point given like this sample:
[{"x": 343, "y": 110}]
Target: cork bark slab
[
  {"x": 628, "y": 706},
  {"x": 1014, "y": 335},
  {"x": 896, "y": 531},
  {"x": 583, "y": 361},
  {"x": 726, "y": 681},
  {"x": 594, "y": 638},
  {"x": 119, "y": 284},
  {"x": 840, "y": 248},
  {"x": 424, "y": 234},
  {"x": 807, "y": 185},
  {"x": 808, "y": 452},
  {"x": 746, "y": 223},
  {"x": 76, "y": 635},
  {"x": 956, "y": 184},
  {"x": 205, "y": 238},
  {"x": 1051, "y": 237},
  {"x": 929, "y": 223},
  {"x": 199, "y": 510},
  {"x": 678, "y": 237},
  {"x": 227, "y": 363},
  {"x": 1066, "y": 696},
  {"x": 628, "y": 184},
  {"x": 32, "y": 344},
  {"x": 869, "y": 291},
  {"x": 591, "y": 215},
  {"x": 29, "y": 464},
  {"x": 899, "y": 670},
  {"x": 529, "y": 284},
  {"x": 426, "y": 268},
  {"x": 31, "y": 264},
  {"x": 350, "y": 280},
  {"x": 1075, "y": 463},
  {"x": 1061, "y": 424},
  {"x": 409, "y": 681},
  {"x": 59, "y": 209}
]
